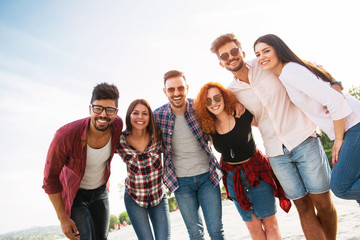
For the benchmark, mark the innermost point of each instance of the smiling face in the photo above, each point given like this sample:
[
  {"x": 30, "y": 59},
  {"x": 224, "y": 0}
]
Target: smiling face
[
  {"x": 176, "y": 90},
  {"x": 267, "y": 58},
  {"x": 215, "y": 107},
  {"x": 102, "y": 121},
  {"x": 234, "y": 63},
  {"x": 140, "y": 117}
]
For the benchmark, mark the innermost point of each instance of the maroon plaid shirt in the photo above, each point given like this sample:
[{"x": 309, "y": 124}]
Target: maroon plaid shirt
[
  {"x": 144, "y": 181},
  {"x": 66, "y": 159}
]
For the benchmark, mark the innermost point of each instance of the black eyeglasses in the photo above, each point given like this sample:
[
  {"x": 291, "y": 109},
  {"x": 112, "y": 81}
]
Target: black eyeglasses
[
  {"x": 172, "y": 89},
  {"x": 234, "y": 52},
  {"x": 99, "y": 109},
  {"x": 217, "y": 98}
]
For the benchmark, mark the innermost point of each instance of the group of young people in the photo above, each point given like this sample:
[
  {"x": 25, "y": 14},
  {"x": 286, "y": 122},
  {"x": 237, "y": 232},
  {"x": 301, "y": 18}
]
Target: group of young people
[{"x": 287, "y": 98}]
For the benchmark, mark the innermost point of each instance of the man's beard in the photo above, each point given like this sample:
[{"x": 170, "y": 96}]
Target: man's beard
[
  {"x": 241, "y": 64},
  {"x": 102, "y": 129}
]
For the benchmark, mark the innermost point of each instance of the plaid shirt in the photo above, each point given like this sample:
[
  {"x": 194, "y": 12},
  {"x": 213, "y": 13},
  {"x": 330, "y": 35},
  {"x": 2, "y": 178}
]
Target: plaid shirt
[
  {"x": 165, "y": 119},
  {"x": 256, "y": 169},
  {"x": 144, "y": 181}
]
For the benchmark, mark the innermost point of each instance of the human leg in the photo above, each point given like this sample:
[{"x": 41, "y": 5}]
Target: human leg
[
  {"x": 80, "y": 214},
  {"x": 309, "y": 222},
  {"x": 315, "y": 171},
  {"x": 326, "y": 213},
  {"x": 312, "y": 174},
  {"x": 345, "y": 177},
  {"x": 256, "y": 229},
  {"x": 187, "y": 200},
  {"x": 100, "y": 212},
  {"x": 139, "y": 218},
  {"x": 271, "y": 227},
  {"x": 160, "y": 220},
  {"x": 210, "y": 202}
]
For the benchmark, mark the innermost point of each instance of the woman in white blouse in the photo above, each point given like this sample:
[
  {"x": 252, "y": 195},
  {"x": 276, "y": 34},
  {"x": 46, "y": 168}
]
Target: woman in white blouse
[{"x": 309, "y": 88}]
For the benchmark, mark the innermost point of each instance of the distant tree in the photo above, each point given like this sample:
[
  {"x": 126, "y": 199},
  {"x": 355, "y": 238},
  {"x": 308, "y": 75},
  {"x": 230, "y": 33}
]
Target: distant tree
[
  {"x": 355, "y": 92},
  {"x": 124, "y": 216},
  {"x": 171, "y": 201},
  {"x": 113, "y": 220}
]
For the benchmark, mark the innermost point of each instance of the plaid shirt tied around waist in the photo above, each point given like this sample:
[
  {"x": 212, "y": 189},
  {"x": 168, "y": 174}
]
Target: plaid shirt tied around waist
[
  {"x": 165, "y": 119},
  {"x": 256, "y": 169},
  {"x": 144, "y": 172}
]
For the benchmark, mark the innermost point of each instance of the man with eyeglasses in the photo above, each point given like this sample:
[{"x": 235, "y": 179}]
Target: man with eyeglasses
[
  {"x": 191, "y": 170},
  {"x": 290, "y": 140},
  {"x": 77, "y": 167}
]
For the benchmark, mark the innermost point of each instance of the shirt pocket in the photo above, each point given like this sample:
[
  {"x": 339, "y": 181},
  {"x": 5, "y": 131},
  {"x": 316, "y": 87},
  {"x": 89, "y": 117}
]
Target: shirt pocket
[
  {"x": 155, "y": 160},
  {"x": 132, "y": 164}
]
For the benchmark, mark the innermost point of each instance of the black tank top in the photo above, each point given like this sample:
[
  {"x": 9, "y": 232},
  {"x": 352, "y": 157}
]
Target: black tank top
[{"x": 239, "y": 139}]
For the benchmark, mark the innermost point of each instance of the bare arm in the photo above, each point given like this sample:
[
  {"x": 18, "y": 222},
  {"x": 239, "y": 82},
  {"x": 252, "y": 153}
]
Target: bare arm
[
  {"x": 67, "y": 224},
  {"x": 339, "y": 128},
  {"x": 239, "y": 110}
]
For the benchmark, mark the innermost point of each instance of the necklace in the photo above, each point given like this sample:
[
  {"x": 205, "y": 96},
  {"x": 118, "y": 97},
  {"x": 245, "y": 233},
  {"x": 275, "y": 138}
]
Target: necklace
[{"x": 232, "y": 154}]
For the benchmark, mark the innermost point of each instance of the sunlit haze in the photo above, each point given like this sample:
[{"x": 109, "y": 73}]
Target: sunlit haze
[{"x": 52, "y": 54}]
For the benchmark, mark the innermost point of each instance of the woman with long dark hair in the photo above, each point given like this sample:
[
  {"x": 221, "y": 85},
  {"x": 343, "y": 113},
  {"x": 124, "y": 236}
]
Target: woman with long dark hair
[{"x": 309, "y": 88}]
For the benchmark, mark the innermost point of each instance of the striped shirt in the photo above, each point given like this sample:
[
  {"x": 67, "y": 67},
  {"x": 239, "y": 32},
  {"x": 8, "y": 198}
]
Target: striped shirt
[
  {"x": 165, "y": 119},
  {"x": 144, "y": 172}
]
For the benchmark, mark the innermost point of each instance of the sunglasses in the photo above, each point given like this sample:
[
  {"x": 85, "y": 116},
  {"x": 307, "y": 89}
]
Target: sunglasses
[
  {"x": 234, "y": 52},
  {"x": 217, "y": 98},
  {"x": 172, "y": 89}
]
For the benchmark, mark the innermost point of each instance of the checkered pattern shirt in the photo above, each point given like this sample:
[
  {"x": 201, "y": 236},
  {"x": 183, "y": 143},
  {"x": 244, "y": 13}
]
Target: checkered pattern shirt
[
  {"x": 144, "y": 172},
  {"x": 165, "y": 119}
]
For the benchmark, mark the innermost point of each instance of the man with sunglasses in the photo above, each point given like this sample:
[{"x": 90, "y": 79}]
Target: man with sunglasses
[
  {"x": 290, "y": 140},
  {"x": 191, "y": 170},
  {"x": 77, "y": 167}
]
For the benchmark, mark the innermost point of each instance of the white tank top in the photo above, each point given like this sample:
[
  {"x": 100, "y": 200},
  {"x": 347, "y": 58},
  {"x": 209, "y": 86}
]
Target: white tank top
[{"x": 95, "y": 167}]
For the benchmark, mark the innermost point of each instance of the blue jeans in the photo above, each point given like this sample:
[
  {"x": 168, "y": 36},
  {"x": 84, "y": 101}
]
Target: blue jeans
[
  {"x": 304, "y": 169},
  {"x": 194, "y": 192},
  {"x": 139, "y": 217},
  {"x": 90, "y": 212},
  {"x": 345, "y": 178}
]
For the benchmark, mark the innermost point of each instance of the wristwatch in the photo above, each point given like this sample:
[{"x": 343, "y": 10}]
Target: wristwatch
[{"x": 337, "y": 83}]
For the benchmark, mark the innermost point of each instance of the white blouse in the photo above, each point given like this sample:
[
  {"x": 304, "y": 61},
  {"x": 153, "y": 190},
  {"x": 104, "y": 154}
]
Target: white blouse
[{"x": 311, "y": 94}]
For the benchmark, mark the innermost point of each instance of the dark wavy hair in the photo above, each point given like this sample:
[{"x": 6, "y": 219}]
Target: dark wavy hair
[
  {"x": 151, "y": 128},
  {"x": 206, "y": 118},
  {"x": 285, "y": 55},
  {"x": 105, "y": 91}
]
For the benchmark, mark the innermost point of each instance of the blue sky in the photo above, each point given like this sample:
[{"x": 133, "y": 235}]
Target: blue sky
[{"x": 52, "y": 53}]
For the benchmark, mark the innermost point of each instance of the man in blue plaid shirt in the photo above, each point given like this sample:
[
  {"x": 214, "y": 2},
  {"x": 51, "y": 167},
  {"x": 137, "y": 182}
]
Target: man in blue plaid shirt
[{"x": 191, "y": 170}]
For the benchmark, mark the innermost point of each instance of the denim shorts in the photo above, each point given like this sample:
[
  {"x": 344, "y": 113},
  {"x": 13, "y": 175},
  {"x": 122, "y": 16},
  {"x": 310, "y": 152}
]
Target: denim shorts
[
  {"x": 261, "y": 197},
  {"x": 303, "y": 170}
]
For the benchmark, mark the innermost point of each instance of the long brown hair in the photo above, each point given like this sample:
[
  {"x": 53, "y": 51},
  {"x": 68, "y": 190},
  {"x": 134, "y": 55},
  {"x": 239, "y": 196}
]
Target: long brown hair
[
  {"x": 285, "y": 55},
  {"x": 151, "y": 128},
  {"x": 207, "y": 119}
]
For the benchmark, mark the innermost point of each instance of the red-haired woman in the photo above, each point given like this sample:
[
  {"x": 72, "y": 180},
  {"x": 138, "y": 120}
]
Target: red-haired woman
[{"x": 248, "y": 178}]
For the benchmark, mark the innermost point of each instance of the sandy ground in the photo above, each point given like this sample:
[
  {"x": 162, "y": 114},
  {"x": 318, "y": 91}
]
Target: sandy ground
[{"x": 348, "y": 223}]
